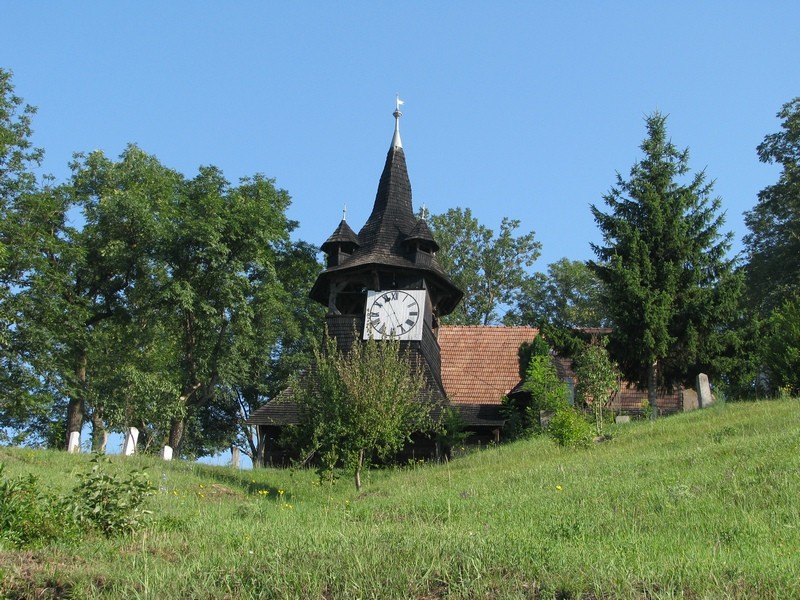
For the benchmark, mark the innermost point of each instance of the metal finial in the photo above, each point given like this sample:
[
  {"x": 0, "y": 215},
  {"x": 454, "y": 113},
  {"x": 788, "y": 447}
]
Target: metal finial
[
  {"x": 424, "y": 212},
  {"x": 396, "y": 141},
  {"x": 344, "y": 212}
]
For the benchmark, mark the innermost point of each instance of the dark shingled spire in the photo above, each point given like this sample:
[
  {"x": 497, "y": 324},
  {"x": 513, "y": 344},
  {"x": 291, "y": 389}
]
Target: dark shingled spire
[
  {"x": 392, "y": 217},
  {"x": 391, "y": 236}
]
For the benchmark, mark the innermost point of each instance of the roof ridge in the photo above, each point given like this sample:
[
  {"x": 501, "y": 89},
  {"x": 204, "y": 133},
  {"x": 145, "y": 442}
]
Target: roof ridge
[{"x": 509, "y": 327}]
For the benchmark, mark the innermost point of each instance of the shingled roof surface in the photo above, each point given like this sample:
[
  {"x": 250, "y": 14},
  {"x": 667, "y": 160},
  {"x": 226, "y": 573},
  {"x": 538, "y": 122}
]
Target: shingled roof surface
[
  {"x": 422, "y": 233},
  {"x": 390, "y": 224},
  {"x": 382, "y": 238},
  {"x": 343, "y": 236},
  {"x": 480, "y": 363}
]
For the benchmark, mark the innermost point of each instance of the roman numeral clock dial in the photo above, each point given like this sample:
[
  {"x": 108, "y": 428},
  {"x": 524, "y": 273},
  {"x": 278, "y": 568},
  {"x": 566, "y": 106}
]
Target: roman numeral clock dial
[{"x": 394, "y": 314}]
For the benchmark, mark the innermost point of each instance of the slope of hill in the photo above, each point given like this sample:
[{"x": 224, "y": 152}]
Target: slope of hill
[{"x": 700, "y": 505}]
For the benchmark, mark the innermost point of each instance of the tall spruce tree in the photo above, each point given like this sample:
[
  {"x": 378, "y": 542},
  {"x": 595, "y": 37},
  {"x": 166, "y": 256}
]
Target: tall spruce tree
[{"x": 669, "y": 285}]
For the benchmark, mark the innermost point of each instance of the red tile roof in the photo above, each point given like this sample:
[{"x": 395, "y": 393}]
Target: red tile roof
[{"x": 480, "y": 363}]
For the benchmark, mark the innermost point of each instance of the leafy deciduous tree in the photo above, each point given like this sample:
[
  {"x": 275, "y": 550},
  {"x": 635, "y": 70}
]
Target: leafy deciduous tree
[
  {"x": 220, "y": 247},
  {"x": 489, "y": 269},
  {"x": 112, "y": 282},
  {"x": 598, "y": 378},
  {"x": 773, "y": 244},
  {"x": 71, "y": 280},
  {"x": 782, "y": 346},
  {"x": 279, "y": 340},
  {"x": 568, "y": 296},
  {"x": 547, "y": 391},
  {"x": 18, "y": 159}
]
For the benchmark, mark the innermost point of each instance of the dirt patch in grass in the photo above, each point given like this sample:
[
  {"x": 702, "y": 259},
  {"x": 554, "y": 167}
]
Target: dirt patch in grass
[{"x": 29, "y": 574}]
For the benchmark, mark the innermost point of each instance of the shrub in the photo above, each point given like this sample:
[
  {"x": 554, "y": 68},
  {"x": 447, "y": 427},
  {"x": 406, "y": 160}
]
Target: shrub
[
  {"x": 453, "y": 433},
  {"x": 547, "y": 391},
  {"x": 519, "y": 422},
  {"x": 782, "y": 348},
  {"x": 110, "y": 502},
  {"x": 569, "y": 428},
  {"x": 28, "y": 516},
  {"x": 361, "y": 404}
]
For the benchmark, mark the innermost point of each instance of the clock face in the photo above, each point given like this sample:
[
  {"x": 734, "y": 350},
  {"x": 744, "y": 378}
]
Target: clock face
[{"x": 394, "y": 314}]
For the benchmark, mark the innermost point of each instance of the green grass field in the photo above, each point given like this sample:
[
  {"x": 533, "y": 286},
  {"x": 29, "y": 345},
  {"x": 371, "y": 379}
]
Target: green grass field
[{"x": 700, "y": 505}]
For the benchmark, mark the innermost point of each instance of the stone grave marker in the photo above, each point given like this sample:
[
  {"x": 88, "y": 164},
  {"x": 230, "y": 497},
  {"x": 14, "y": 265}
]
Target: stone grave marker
[
  {"x": 704, "y": 391},
  {"x": 166, "y": 453},
  {"x": 690, "y": 400}
]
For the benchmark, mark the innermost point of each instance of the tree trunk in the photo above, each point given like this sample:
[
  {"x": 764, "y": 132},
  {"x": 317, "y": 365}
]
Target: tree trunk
[
  {"x": 76, "y": 406},
  {"x": 176, "y": 429},
  {"x": 258, "y": 458},
  {"x": 652, "y": 389},
  {"x": 74, "y": 418},
  {"x": 99, "y": 434},
  {"x": 177, "y": 426}
]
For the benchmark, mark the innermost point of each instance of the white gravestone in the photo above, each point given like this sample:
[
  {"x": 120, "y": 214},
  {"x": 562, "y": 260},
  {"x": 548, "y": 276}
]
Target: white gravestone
[
  {"x": 74, "y": 445},
  {"x": 131, "y": 437},
  {"x": 166, "y": 453}
]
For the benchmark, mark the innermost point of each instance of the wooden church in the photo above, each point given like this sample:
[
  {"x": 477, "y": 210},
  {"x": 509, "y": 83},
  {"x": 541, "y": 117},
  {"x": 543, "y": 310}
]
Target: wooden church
[{"x": 385, "y": 281}]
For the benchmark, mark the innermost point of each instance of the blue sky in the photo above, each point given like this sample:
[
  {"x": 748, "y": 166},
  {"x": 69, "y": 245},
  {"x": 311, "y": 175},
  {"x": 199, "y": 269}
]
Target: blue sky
[{"x": 518, "y": 109}]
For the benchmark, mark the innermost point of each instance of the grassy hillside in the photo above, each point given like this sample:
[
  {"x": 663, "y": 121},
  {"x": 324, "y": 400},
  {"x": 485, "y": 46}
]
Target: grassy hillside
[{"x": 700, "y": 505}]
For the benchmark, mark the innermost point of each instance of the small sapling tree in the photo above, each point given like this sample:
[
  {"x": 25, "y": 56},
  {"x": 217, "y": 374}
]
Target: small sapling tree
[
  {"x": 361, "y": 404},
  {"x": 598, "y": 378},
  {"x": 547, "y": 393}
]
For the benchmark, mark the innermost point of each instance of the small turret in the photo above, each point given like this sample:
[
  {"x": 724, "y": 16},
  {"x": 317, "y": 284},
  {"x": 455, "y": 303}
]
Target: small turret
[
  {"x": 341, "y": 244},
  {"x": 421, "y": 244}
]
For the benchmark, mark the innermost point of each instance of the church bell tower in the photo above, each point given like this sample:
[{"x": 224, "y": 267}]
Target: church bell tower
[{"x": 385, "y": 281}]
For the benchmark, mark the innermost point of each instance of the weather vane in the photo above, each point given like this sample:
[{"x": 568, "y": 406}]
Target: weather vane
[{"x": 396, "y": 142}]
